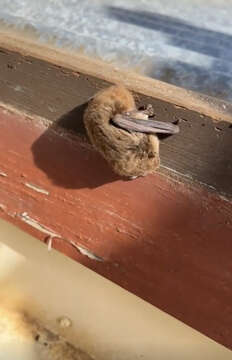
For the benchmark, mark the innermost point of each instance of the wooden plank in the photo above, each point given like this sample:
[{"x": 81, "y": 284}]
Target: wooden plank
[
  {"x": 27, "y": 43},
  {"x": 202, "y": 151},
  {"x": 166, "y": 241}
]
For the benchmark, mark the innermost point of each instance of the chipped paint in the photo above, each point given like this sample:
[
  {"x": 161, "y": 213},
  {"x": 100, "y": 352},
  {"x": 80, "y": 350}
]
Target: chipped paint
[
  {"x": 36, "y": 188},
  {"x": 3, "y": 174},
  {"x": 2, "y": 207},
  {"x": 36, "y": 225},
  {"x": 86, "y": 252},
  {"x": 49, "y": 242}
]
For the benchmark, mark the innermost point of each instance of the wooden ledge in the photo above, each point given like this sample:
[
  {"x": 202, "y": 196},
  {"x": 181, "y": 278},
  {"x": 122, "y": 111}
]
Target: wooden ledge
[
  {"x": 45, "y": 82},
  {"x": 165, "y": 241}
]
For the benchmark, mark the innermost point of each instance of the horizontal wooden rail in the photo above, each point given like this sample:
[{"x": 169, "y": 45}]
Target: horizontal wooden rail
[{"x": 201, "y": 152}]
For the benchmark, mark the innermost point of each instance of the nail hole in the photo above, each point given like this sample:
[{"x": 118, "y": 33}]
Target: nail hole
[
  {"x": 37, "y": 337},
  {"x": 202, "y": 125},
  {"x": 176, "y": 122},
  {"x": 45, "y": 344}
]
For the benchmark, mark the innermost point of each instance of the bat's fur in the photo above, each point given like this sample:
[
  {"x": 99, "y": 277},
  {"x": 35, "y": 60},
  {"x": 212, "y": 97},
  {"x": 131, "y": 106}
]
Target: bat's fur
[{"x": 130, "y": 154}]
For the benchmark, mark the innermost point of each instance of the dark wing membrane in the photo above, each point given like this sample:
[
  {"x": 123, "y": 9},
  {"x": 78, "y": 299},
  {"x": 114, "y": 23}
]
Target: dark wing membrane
[{"x": 144, "y": 126}]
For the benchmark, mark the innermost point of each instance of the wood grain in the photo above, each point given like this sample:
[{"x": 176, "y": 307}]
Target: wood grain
[
  {"x": 201, "y": 152},
  {"x": 166, "y": 241}
]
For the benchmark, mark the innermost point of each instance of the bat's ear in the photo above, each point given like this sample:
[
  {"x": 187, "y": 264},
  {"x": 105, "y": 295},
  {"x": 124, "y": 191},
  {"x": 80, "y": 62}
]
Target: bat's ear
[{"x": 139, "y": 122}]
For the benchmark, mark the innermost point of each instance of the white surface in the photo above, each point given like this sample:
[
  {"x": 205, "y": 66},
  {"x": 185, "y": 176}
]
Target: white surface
[{"x": 107, "y": 321}]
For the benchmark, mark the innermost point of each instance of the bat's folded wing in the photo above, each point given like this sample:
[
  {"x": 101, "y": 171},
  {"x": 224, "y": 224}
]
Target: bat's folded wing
[{"x": 148, "y": 126}]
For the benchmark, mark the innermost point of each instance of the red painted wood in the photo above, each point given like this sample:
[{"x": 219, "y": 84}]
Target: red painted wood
[{"x": 167, "y": 242}]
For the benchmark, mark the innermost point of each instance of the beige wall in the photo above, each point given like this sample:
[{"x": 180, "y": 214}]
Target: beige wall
[{"x": 107, "y": 321}]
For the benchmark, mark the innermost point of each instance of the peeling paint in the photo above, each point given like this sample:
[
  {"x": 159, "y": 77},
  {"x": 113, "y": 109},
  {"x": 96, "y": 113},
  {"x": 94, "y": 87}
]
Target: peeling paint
[
  {"x": 86, "y": 252},
  {"x": 2, "y": 207},
  {"x": 36, "y": 225},
  {"x": 36, "y": 188},
  {"x": 3, "y": 174},
  {"x": 49, "y": 242},
  {"x": 5, "y": 210}
]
